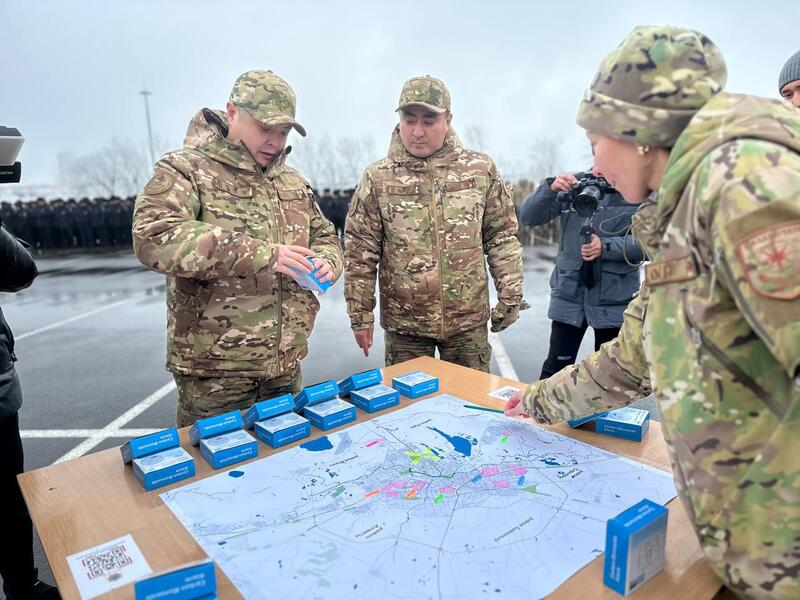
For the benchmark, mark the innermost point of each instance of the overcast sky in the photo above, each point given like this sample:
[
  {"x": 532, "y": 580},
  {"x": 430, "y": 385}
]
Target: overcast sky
[{"x": 72, "y": 70}]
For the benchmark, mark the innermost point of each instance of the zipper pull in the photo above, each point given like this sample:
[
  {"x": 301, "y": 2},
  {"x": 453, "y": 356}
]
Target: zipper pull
[{"x": 697, "y": 340}]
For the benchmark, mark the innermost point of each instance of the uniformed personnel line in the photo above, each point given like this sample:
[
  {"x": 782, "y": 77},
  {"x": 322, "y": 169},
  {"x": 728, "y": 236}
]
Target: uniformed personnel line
[
  {"x": 116, "y": 425},
  {"x": 502, "y": 358},
  {"x": 71, "y": 319}
]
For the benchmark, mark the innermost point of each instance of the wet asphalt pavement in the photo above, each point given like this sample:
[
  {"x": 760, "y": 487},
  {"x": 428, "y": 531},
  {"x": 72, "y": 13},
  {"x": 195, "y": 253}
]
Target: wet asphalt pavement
[{"x": 91, "y": 345}]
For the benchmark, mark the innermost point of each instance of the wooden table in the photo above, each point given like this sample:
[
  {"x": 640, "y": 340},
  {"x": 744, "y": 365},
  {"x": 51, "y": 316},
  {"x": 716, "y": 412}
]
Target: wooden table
[{"x": 93, "y": 499}]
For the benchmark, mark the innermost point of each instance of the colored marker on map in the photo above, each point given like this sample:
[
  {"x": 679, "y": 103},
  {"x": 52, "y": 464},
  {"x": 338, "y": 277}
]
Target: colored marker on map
[
  {"x": 373, "y": 442},
  {"x": 411, "y": 493},
  {"x": 372, "y": 493},
  {"x": 504, "y": 439},
  {"x": 438, "y": 499},
  {"x": 521, "y": 481},
  {"x": 338, "y": 491}
]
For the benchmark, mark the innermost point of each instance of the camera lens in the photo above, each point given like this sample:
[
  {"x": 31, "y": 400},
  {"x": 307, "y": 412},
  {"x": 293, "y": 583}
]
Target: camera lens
[{"x": 587, "y": 201}]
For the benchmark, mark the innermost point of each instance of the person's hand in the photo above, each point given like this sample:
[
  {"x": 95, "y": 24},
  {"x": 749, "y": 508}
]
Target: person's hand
[
  {"x": 563, "y": 183},
  {"x": 364, "y": 338},
  {"x": 504, "y": 314},
  {"x": 514, "y": 406},
  {"x": 592, "y": 250},
  {"x": 291, "y": 259},
  {"x": 324, "y": 271}
]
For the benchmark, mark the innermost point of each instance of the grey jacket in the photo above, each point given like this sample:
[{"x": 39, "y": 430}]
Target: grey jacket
[{"x": 570, "y": 301}]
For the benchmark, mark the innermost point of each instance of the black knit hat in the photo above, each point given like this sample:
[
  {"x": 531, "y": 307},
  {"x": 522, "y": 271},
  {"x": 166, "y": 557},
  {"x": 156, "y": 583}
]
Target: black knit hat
[{"x": 790, "y": 71}]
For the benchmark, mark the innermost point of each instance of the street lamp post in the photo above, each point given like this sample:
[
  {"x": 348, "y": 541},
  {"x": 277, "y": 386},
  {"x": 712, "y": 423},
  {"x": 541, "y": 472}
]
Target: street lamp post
[{"x": 145, "y": 94}]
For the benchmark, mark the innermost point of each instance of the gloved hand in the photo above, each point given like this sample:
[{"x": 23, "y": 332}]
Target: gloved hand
[{"x": 504, "y": 314}]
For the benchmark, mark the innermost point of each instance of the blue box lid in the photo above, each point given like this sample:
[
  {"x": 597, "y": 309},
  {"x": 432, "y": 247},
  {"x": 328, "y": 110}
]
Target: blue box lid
[
  {"x": 639, "y": 515},
  {"x": 149, "y": 444},
  {"x": 315, "y": 393},
  {"x": 310, "y": 281},
  {"x": 224, "y": 423},
  {"x": 358, "y": 381},
  {"x": 187, "y": 582},
  {"x": 268, "y": 408}
]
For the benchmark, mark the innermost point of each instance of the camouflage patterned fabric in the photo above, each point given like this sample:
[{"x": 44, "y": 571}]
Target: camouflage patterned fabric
[
  {"x": 469, "y": 349},
  {"x": 267, "y": 97},
  {"x": 203, "y": 397},
  {"x": 426, "y": 226},
  {"x": 715, "y": 334},
  {"x": 648, "y": 88},
  {"x": 425, "y": 91},
  {"x": 210, "y": 218}
]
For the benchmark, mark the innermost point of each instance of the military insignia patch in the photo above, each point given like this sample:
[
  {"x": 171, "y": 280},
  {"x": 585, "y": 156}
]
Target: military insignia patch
[
  {"x": 670, "y": 271},
  {"x": 770, "y": 259},
  {"x": 159, "y": 183}
]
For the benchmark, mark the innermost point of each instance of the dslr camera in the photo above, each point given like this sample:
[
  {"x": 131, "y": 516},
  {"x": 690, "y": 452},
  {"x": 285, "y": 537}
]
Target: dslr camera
[
  {"x": 584, "y": 197},
  {"x": 10, "y": 144}
]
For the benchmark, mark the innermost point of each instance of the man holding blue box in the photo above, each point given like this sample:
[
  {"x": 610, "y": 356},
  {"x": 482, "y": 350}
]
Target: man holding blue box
[
  {"x": 232, "y": 226},
  {"x": 424, "y": 220}
]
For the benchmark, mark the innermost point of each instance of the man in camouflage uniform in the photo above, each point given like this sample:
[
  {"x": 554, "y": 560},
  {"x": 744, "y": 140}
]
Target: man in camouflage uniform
[
  {"x": 231, "y": 224},
  {"x": 715, "y": 331},
  {"x": 424, "y": 217}
]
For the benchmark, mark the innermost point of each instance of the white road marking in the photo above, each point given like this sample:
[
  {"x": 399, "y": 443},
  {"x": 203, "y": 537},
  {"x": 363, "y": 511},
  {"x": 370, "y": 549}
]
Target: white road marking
[
  {"x": 32, "y": 434},
  {"x": 116, "y": 425},
  {"x": 501, "y": 357},
  {"x": 71, "y": 319}
]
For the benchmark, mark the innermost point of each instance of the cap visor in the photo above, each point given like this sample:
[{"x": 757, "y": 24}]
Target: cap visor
[
  {"x": 272, "y": 119},
  {"x": 431, "y": 107}
]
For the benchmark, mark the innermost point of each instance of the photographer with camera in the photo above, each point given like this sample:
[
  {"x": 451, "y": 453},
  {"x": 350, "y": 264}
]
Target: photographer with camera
[{"x": 596, "y": 272}]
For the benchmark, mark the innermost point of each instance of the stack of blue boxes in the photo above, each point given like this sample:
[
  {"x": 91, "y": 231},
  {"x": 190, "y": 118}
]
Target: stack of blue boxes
[
  {"x": 367, "y": 392},
  {"x": 627, "y": 423},
  {"x": 322, "y": 406},
  {"x": 415, "y": 384},
  {"x": 158, "y": 459},
  {"x": 275, "y": 423},
  {"x": 222, "y": 440}
]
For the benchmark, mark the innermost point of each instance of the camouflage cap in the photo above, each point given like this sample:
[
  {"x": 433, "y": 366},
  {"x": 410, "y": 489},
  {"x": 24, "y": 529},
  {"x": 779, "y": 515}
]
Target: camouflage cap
[
  {"x": 648, "y": 89},
  {"x": 425, "y": 91},
  {"x": 267, "y": 97}
]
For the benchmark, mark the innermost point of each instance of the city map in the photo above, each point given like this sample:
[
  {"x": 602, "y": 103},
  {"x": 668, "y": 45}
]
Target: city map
[{"x": 431, "y": 501}]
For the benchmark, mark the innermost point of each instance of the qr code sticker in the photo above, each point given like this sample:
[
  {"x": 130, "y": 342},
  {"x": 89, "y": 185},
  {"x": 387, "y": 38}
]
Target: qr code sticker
[{"x": 108, "y": 561}]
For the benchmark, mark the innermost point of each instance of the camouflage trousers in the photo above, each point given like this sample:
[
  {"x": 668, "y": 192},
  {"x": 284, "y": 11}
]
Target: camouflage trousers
[
  {"x": 201, "y": 397},
  {"x": 468, "y": 349}
]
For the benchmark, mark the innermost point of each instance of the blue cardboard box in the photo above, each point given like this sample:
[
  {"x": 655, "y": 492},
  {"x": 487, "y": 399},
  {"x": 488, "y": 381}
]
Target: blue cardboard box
[
  {"x": 310, "y": 281},
  {"x": 206, "y": 428},
  {"x": 330, "y": 414},
  {"x": 635, "y": 543},
  {"x": 191, "y": 581},
  {"x": 268, "y": 408},
  {"x": 228, "y": 448},
  {"x": 375, "y": 398},
  {"x": 149, "y": 444},
  {"x": 573, "y": 423},
  {"x": 314, "y": 394},
  {"x": 628, "y": 423},
  {"x": 415, "y": 384},
  {"x": 359, "y": 381},
  {"x": 162, "y": 468},
  {"x": 283, "y": 429}
]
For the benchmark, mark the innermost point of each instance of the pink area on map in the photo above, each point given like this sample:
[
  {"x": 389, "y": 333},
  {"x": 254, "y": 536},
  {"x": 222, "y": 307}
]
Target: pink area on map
[
  {"x": 394, "y": 485},
  {"x": 518, "y": 470},
  {"x": 502, "y": 484},
  {"x": 489, "y": 471},
  {"x": 373, "y": 442},
  {"x": 419, "y": 484},
  {"x": 391, "y": 494},
  {"x": 448, "y": 489}
]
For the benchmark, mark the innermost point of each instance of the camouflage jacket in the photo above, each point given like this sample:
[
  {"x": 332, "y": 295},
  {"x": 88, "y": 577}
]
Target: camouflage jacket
[
  {"x": 715, "y": 334},
  {"x": 427, "y": 223},
  {"x": 211, "y": 218}
]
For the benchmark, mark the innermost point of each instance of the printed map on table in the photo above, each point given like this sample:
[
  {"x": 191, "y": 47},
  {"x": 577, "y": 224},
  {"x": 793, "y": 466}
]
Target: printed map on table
[{"x": 431, "y": 501}]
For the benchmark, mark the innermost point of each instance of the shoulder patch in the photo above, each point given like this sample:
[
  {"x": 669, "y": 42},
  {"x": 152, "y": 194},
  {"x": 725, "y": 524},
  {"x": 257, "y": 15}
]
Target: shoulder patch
[
  {"x": 770, "y": 259},
  {"x": 670, "y": 271},
  {"x": 160, "y": 182}
]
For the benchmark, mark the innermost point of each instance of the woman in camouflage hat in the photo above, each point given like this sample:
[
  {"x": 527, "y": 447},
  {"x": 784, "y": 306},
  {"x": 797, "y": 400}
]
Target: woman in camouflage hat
[{"x": 715, "y": 331}]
